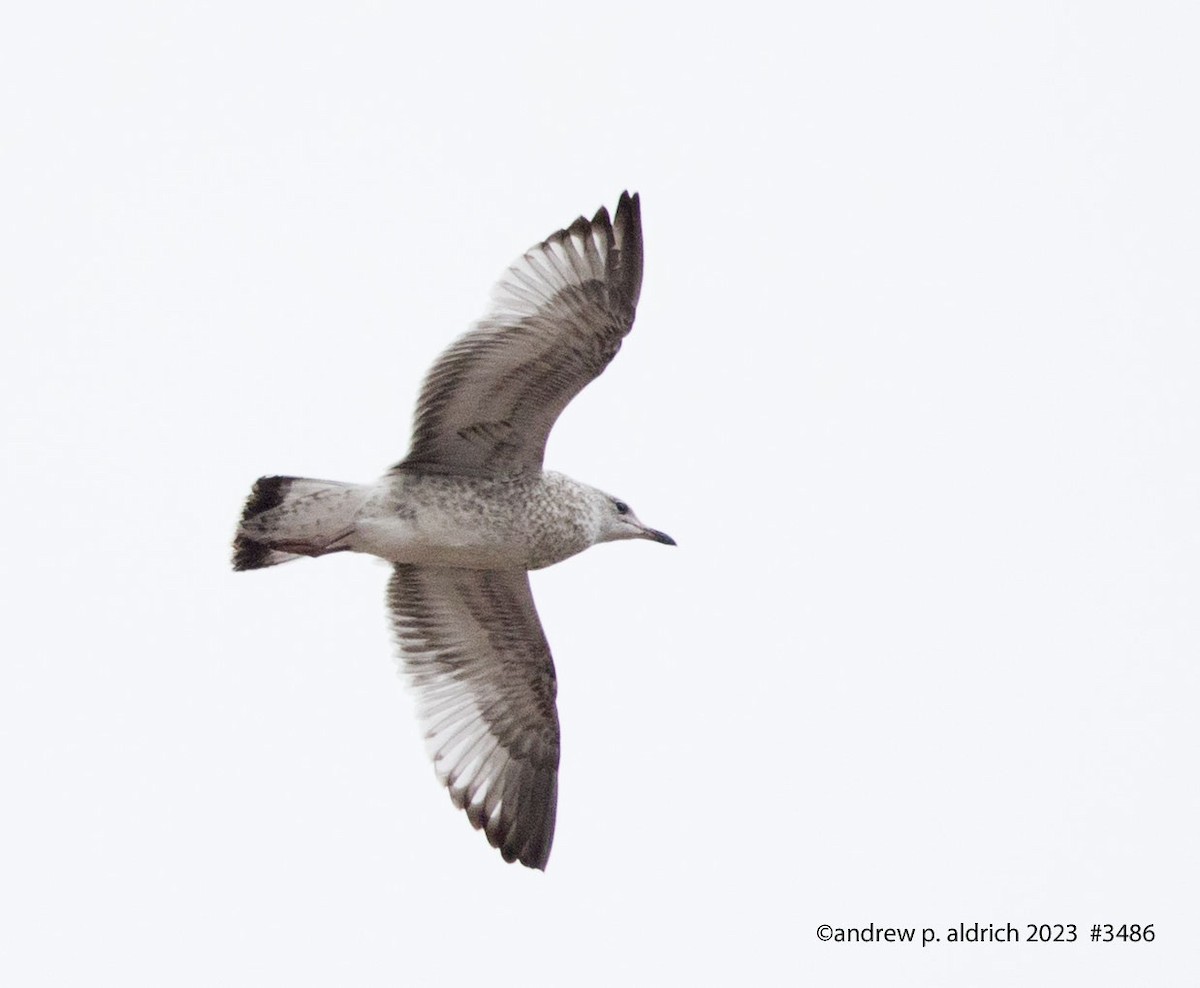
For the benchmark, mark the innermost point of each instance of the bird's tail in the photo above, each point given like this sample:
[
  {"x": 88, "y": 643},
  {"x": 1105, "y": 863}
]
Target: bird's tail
[{"x": 289, "y": 517}]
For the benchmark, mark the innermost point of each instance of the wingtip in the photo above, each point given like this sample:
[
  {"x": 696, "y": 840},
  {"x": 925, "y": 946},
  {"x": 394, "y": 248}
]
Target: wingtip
[
  {"x": 580, "y": 228},
  {"x": 629, "y": 211},
  {"x": 627, "y": 233},
  {"x": 601, "y": 219},
  {"x": 627, "y": 216},
  {"x": 623, "y": 230}
]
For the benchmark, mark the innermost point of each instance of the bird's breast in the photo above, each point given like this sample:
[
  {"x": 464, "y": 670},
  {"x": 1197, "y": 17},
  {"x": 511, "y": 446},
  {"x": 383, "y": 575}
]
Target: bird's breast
[{"x": 466, "y": 522}]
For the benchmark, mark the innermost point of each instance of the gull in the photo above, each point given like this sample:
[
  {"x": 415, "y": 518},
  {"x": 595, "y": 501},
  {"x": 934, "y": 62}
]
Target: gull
[{"x": 469, "y": 511}]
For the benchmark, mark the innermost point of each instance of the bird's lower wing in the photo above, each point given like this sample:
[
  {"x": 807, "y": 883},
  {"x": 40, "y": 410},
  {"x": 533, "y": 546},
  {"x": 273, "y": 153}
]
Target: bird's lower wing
[{"x": 474, "y": 652}]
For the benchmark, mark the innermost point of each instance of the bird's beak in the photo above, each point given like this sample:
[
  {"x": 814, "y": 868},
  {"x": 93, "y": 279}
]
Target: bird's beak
[{"x": 656, "y": 536}]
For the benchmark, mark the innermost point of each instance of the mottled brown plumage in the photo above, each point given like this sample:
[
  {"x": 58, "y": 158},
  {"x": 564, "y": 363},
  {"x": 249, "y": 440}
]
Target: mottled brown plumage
[
  {"x": 469, "y": 510},
  {"x": 481, "y": 669},
  {"x": 558, "y": 317}
]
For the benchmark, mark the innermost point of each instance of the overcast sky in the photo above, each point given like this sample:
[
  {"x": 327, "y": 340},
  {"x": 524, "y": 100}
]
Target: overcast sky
[{"x": 913, "y": 383}]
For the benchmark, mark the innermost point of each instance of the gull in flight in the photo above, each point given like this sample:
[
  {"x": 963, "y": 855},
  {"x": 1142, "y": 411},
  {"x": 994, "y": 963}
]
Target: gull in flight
[{"x": 469, "y": 511}]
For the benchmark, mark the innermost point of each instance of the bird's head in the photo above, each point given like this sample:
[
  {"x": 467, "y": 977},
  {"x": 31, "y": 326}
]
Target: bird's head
[{"x": 617, "y": 521}]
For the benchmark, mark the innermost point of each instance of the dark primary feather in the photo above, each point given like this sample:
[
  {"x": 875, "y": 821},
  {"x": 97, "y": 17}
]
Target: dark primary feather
[
  {"x": 474, "y": 652},
  {"x": 558, "y": 317}
]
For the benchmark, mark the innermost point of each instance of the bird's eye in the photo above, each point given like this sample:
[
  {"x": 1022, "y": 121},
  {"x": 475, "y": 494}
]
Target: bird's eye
[{"x": 621, "y": 506}]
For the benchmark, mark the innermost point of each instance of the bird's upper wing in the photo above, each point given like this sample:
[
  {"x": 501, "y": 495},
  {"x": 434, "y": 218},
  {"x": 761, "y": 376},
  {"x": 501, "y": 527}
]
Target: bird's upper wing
[
  {"x": 557, "y": 318},
  {"x": 473, "y": 649}
]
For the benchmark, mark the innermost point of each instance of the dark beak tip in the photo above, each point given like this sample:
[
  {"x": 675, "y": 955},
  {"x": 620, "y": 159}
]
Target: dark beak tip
[{"x": 664, "y": 538}]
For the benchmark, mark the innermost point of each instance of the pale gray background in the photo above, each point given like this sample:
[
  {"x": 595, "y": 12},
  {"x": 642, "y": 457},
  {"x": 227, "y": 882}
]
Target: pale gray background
[{"x": 913, "y": 383}]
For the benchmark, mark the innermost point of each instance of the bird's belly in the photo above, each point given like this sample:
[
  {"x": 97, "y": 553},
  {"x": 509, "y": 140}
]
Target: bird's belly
[{"x": 400, "y": 540}]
